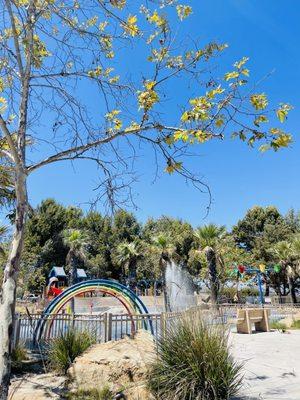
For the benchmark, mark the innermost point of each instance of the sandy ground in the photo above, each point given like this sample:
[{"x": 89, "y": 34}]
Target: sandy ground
[{"x": 271, "y": 364}]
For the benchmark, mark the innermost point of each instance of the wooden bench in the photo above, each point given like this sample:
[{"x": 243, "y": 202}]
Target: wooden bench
[{"x": 249, "y": 316}]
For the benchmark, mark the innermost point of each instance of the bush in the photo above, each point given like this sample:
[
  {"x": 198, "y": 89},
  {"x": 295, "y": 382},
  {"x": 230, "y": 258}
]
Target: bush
[
  {"x": 91, "y": 394},
  {"x": 296, "y": 324},
  {"x": 280, "y": 326},
  {"x": 228, "y": 294},
  {"x": 64, "y": 349},
  {"x": 249, "y": 291},
  {"x": 194, "y": 363},
  {"x": 18, "y": 355}
]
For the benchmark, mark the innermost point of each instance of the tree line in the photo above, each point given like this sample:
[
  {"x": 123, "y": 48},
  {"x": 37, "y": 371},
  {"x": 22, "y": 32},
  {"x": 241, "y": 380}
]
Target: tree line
[{"x": 121, "y": 247}]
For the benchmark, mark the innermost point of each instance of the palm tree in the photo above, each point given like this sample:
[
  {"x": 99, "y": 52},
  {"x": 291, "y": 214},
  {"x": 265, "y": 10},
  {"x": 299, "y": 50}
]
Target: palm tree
[
  {"x": 127, "y": 255},
  {"x": 208, "y": 237},
  {"x": 76, "y": 241},
  {"x": 166, "y": 251},
  {"x": 287, "y": 253}
]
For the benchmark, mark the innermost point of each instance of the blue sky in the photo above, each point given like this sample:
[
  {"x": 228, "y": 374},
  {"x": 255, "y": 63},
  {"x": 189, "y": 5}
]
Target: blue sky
[{"x": 239, "y": 177}]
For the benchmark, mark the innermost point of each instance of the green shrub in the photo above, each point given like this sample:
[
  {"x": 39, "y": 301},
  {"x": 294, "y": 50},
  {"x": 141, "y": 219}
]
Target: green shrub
[
  {"x": 18, "y": 355},
  {"x": 296, "y": 324},
  {"x": 280, "y": 326},
  {"x": 91, "y": 394},
  {"x": 64, "y": 349},
  {"x": 229, "y": 293},
  {"x": 249, "y": 291},
  {"x": 194, "y": 363}
]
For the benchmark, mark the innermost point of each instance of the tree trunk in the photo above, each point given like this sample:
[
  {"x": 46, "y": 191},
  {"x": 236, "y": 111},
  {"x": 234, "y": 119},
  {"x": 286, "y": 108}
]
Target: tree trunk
[
  {"x": 267, "y": 292},
  {"x": 73, "y": 269},
  {"x": 8, "y": 292},
  {"x": 164, "y": 259},
  {"x": 292, "y": 289},
  {"x": 213, "y": 276},
  {"x": 132, "y": 272},
  {"x": 73, "y": 277},
  {"x": 237, "y": 295}
]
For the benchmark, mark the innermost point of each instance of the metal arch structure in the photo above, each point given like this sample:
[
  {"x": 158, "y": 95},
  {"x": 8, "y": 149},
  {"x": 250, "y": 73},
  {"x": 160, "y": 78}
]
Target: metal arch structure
[{"x": 132, "y": 303}]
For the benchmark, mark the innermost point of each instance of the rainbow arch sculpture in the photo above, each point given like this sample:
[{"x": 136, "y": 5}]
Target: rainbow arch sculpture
[{"x": 132, "y": 303}]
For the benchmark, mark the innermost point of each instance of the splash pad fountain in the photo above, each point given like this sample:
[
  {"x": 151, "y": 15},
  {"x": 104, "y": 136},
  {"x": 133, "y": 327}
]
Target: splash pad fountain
[{"x": 179, "y": 288}]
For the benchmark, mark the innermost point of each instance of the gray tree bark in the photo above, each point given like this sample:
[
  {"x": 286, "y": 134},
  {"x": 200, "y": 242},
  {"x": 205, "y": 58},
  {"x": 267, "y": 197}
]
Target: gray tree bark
[{"x": 8, "y": 292}]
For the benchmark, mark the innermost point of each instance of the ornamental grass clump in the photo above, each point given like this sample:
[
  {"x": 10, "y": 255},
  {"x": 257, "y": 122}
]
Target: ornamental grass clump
[
  {"x": 64, "y": 349},
  {"x": 194, "y": 363},
  {"x": 19, "y": 354}
]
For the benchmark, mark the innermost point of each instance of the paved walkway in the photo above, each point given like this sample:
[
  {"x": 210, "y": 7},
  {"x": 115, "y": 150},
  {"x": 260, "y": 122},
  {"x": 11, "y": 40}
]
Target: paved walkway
[{"x": 272, "y": 364}]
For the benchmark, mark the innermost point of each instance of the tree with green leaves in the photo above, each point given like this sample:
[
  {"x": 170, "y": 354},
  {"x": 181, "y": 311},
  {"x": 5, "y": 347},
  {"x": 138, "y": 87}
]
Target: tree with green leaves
[
  {"x": 102, "y": 245},
  {"x": 165, "y": 248},
  {"x": 208, "y": 237},
  {"x": 166, "y": 251},
  {"x": 53, "y": 53},
  {"x": 287, "y": 253},
  {"x": 127, "y": 256},
  {"x": 292, "y": 219},
  {"x": 43, "y": 241},
  {"x": 261, "y": 228},
  {"x": 76, "y": 241},
  {"x": 180, "y": 231},
  {"x": 125, "y": 226}
]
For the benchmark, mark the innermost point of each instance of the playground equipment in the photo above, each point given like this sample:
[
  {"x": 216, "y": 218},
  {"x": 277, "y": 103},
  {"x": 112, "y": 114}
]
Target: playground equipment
[
  {"x": 262, "y": 270},
  {"x": 257, "y": 316},
  {"x": 52, "y": 290},
  {"x": 127, "y": 298}
]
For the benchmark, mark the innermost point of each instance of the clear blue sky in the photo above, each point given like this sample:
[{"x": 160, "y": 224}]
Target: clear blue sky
[{"x": 268, "y": 32}]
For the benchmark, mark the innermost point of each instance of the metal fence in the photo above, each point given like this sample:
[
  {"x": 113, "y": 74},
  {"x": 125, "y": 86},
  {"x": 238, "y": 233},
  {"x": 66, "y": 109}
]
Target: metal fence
[
  {"x": 103, "y": 328},
  {"x": 107, "y": 326}
]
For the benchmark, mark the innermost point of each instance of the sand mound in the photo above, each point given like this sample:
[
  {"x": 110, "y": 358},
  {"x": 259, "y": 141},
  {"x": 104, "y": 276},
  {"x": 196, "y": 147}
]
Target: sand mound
[{"x": 121, "y": 365}]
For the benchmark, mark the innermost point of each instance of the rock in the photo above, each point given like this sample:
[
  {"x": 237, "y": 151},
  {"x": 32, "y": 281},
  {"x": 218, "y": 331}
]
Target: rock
[
  {"x": 37, "y": 387},
  {"x": 121, "y": 365}
]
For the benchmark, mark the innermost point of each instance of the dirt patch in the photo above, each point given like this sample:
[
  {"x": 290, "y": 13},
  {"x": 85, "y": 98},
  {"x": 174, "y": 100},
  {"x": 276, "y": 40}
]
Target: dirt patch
[{"x": 36, "y": 387}]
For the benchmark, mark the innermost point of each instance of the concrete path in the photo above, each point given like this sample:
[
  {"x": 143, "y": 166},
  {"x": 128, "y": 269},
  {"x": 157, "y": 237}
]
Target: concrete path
[{"x": 271, "y": 364}]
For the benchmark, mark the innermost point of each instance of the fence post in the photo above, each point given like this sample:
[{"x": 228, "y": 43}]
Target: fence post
[
  {"x": 109, "y": 327},
  {"x": 163, "y": 325},
  {"x": 105, "y": 326}
]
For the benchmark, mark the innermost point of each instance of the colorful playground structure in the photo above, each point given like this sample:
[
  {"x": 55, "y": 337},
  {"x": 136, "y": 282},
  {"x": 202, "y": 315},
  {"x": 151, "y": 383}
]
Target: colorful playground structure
[
  {"x": 131, "y": 302},
  {"x": 259, "y": 272}
]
